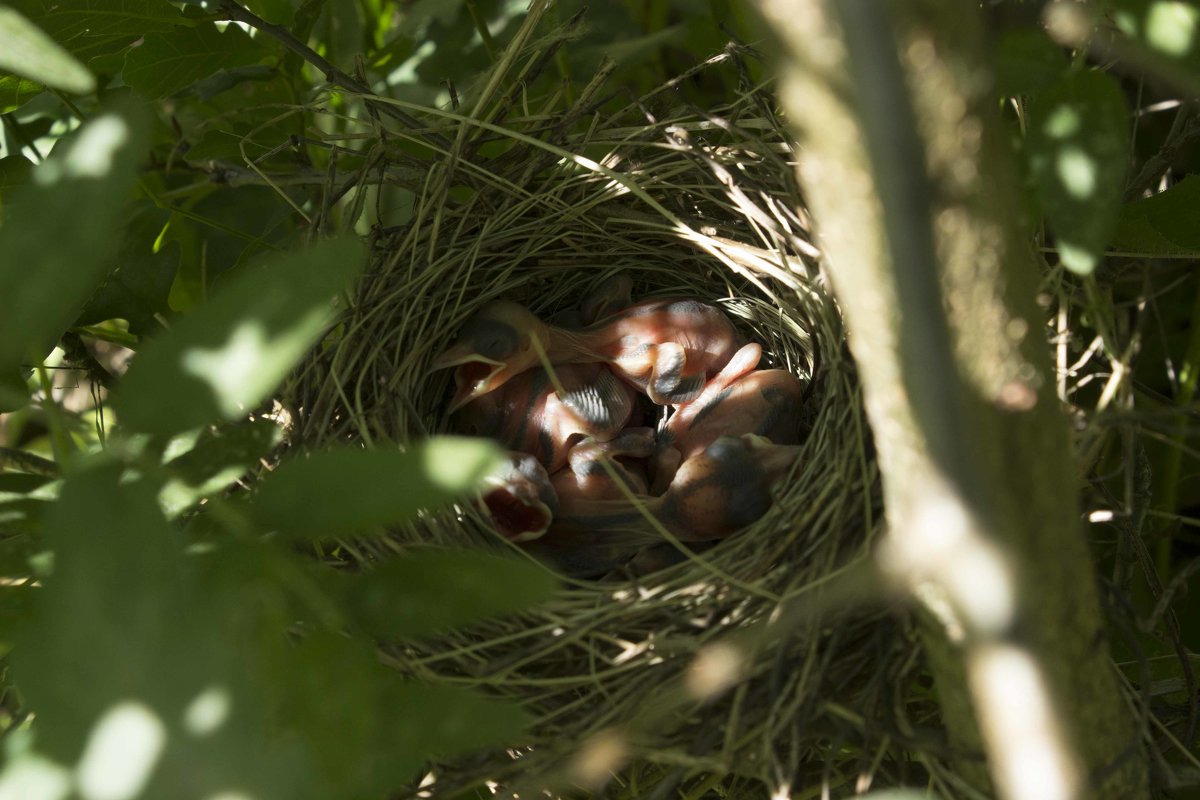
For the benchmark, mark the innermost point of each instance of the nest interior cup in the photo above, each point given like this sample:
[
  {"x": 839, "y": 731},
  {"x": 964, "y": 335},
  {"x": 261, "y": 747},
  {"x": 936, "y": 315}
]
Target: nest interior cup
[{"x": 655, "y": 201}]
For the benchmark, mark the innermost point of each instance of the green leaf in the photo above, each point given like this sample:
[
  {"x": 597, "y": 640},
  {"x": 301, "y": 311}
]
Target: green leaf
[
  {"x": 362, "y": 489},
  {"x": 32, "y": 54},
  {"x": 368, "y": 730},
  {"x": 16, "y": 92},
  {"x": 428, "y": 592},
  {"x": 453, "y": 720},
  {"x": 79, "y": 24},
  {"x": 1170, "y": 28},
  {"x": 160, "y": 678},
  {"x": 137, "y": 286},
  {"x": 223, "y": 359},
  {"x": 1078, "y": 137},
  {"x": 1164, "y": 224},
  {"x": 168, "y": 62},
  {"x": 1027, "y": 59},
  {"x": 112, "y": 553},
  {"x": 211, "y": 252},
  {"x": 46, "y": 275},
  {"x": 225, "y": 79},
  {"x": 215, "y": 462},
  {"x": 14, "y": 391},
  {"x": 21, "y": 515},
  {"x": 14, "y": 171},
  {"x": 19, "y": 484}
]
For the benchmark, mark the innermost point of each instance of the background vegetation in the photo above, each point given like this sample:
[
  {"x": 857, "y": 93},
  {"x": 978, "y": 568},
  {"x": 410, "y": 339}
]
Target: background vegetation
[{"x": 194, "y": 183}]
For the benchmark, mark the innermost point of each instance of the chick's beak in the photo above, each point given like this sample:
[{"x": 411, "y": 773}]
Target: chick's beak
[
  {"x": 475, "y": 378},
  {"x": 455, "y": 355}
]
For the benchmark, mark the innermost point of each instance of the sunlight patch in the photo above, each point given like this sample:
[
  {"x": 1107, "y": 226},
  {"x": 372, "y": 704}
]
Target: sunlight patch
[
  {"x": 207, "y": 712},
  {"x": 31, "y": 777},
  {"x": 1075, "y": 258},
  {"x": 1063, "y": 122},
  {"x": 1076, "y": 172},
  {"x": 121, "y": 753},
  {"x": 231, "y": 368},
  {"x": 456, "y": 463},
  {"x": 93, "y": 152},
  {"x": 1171, "y": 27}
]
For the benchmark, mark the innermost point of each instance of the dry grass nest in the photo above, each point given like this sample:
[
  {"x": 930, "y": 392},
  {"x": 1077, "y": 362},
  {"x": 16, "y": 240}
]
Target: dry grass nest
[{"x": 738, "y": 671}]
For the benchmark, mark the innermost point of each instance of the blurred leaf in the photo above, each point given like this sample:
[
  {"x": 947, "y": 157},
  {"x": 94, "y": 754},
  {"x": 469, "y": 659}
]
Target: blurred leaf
[
  {"x": 168, "y": 62},
  {"x": 1163, "y": 36},
  {"x": 31, "y": 53},
  {"x": 428, "y": 592},
  {"x": 113, "y": 553},
  {"x": 159, "y": 679},
  {"x": 14, "y": 392},
  {"x": 1164, "y": 224},
  {"x": 1027, "y": 59},
  {"x": 1078, "y": 137},
  {"x": 333, "y": 694},
  {"x": 21, "y": 515},
  {"x": 369, "y": 730},
  {"x": 14, "y": 171},
  {"x": 14, "y": 484},
  {"x": 46, "y": 277},
  {"x": 454, "y": 720},
  {"x": 216, "y": 461},
  {"x": 137, "y": 287},
  {"x": 361, "y": 489},
  {"x": 16, "y": 92},
  {"x": 223, "y": 359},
  {"x": 18, "y": 546}
]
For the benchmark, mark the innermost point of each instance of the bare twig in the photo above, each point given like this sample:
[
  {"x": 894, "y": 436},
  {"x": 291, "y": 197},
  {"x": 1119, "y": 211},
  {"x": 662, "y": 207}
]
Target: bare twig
[{"x": 236, "y": 176}]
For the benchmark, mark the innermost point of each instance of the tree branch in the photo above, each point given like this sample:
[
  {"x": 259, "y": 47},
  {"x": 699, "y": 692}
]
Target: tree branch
[{"x": 904, "y": 164}]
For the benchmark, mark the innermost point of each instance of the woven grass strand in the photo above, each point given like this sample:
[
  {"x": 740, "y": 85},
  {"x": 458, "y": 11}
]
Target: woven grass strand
[{"x": 687, "y": 204}]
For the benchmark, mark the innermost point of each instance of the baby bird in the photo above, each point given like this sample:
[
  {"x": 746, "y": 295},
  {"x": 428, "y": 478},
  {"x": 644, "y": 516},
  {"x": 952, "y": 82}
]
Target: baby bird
[
  {"x": 666, "y": 348},
  {"x": 764, "y": 402},
  {"x": 520, "y": 498},
  {"x": 529, "y": 414},
  {"x": 713, "y": 494},
  {"x": 587, "y": 477}
]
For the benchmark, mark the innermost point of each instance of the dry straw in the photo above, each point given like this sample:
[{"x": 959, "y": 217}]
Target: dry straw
[{"x": 741, "y": 670}]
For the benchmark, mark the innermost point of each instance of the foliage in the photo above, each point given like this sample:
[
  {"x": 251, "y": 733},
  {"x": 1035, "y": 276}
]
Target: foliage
[{"x": 189, "y": 188}]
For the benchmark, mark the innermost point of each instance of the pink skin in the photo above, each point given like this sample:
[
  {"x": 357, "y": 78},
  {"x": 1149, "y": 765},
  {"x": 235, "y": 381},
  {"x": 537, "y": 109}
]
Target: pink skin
[
  {"x": 713, "y": 495},
  {"x": 527, "y": 413},
  {"x": 667, "y": 348},
  {"x": 587, "y": 477},
  {"x": 764, "y": 402}
]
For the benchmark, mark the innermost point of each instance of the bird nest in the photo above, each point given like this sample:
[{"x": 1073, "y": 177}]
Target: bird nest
[{"x": 739, "y": 667}]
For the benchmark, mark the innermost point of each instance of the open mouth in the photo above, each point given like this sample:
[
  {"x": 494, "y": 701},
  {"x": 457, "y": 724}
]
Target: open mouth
[
  {"x": 516, "y": 519},
  {"x": 473, "y": 374}
]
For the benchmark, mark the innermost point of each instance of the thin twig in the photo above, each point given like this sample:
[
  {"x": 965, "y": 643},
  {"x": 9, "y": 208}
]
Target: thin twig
[{"x": 235, "y": 176}]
